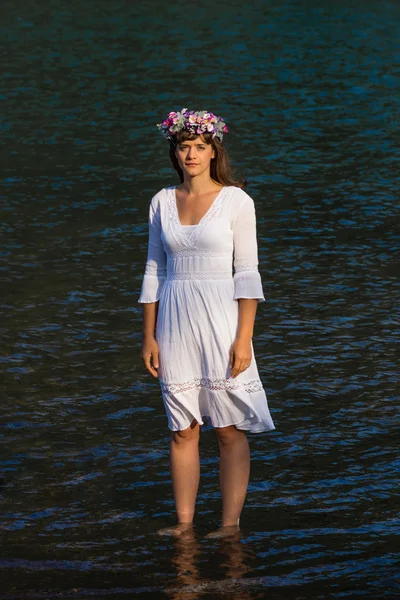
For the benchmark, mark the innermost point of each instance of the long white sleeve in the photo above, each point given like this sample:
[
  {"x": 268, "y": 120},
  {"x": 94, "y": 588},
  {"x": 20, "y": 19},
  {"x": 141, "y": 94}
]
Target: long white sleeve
[
  {"x": 156, "y": 265},
  {"x": 246, "y": 276}
]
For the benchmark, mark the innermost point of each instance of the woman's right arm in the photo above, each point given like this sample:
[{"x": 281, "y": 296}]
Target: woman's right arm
[
  {"x": 153, "y": 281},
  {"x": 150, "y": 346}
]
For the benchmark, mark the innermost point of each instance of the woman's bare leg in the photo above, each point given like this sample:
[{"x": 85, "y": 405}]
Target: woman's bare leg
[
  {"x": 185, "y": 470},
  {"x": 234, "y": 474},
  {"x": 185, "y": 474}
]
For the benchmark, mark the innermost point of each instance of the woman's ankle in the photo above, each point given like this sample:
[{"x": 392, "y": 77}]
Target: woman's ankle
[
  {"x": 185, "y": 518},
  {"x": 230, "y": 523}
]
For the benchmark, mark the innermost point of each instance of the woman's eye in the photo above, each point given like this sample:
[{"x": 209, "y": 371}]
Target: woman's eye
[{"x": 185, "y": 148}]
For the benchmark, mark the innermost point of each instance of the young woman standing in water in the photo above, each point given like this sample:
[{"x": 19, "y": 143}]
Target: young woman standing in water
[{"x": 198, "y": 316}]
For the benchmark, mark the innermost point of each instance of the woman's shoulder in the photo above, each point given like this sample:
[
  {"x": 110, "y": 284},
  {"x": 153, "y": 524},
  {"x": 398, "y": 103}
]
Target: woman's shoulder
[
  {"x": 240, "y": 198},
  {"x": 240, "y": 193},
  {"x": 161, "y": 196}
]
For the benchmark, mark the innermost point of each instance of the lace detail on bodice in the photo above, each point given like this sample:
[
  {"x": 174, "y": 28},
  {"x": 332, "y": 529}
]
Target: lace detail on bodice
[
  {"x": 201, "y": 275},
  {"x": 251, "y": 386},
  {"x": 188, "y": 239},
  {"x": 204, "y": 253}
]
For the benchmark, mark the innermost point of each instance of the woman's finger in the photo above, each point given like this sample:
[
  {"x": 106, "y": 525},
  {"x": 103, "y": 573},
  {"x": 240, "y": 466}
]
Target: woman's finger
[
  {"x": 155, "y": 364},
  {"x": 240, "y": 366},
  {"x": 243, "y": 364},
  {"x": 153, "y": 371},
  {"x": 155, "y": 360},
  {"x": 148, "y": 365},
  {"x": 236, "y": 368}
]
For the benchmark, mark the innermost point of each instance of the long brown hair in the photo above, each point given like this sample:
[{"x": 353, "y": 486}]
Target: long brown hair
[{"x": 220, "y": 168}]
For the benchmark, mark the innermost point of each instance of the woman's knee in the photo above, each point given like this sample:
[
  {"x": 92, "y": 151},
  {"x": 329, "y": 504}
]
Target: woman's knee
[
  {"x": 228, "y": 435},
  {"x": 190, "y": 434}
]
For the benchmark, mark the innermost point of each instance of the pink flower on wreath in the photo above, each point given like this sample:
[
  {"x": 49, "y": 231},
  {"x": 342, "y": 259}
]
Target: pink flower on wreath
[{"x": 192, "y": 121}]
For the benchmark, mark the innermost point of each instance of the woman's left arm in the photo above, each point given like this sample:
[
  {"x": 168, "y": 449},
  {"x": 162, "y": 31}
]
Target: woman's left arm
[
  {"x": 241, "y": 351},
  {"x": 247, "y": 282}
]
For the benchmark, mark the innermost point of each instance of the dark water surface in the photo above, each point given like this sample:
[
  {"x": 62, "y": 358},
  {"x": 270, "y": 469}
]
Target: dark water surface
[{"x": 311, "y": 92}]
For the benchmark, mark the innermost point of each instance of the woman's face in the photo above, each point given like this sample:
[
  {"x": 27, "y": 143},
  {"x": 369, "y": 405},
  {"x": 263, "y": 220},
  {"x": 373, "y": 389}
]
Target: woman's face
[{"x": 194, "y": 156}]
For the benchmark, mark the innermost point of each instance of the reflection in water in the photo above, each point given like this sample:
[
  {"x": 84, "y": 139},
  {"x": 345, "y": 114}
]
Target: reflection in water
[
  {"x": 187, "y": 559},
  {"x": 234, "y": 554}
]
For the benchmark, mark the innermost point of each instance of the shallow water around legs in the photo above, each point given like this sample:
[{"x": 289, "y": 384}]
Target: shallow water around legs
[{"x": 311, "y": 94}]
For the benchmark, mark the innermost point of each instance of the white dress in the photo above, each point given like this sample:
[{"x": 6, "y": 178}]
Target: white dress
[{"x": 198, "y": 273}]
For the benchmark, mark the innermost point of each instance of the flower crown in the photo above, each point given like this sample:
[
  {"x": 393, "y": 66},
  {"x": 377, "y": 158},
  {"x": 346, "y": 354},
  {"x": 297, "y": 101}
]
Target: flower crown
[{"x": 194, "y": 122}]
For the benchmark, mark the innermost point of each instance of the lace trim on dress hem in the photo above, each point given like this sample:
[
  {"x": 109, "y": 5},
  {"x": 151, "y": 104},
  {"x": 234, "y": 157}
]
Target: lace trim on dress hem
[{"x": 251, "y": 386}]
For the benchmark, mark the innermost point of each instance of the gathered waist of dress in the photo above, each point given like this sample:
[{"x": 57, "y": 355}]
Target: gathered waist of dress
[
  {"x": 199, "y": 267},
  {"x": 199, "y": 275}
]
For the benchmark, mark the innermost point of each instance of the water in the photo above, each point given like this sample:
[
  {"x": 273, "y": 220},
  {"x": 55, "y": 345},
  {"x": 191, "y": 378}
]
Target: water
[{"x": 311, "y": 92}]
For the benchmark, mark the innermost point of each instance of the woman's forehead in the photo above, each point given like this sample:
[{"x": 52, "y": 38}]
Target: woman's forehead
[{"x": 198, "y": 140}]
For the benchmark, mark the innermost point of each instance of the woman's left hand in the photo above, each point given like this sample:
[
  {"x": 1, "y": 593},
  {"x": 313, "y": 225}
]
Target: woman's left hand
[{"x": 240, "y": 356}]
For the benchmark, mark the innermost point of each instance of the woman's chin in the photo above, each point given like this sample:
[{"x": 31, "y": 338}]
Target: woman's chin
[{"x": 192, "y": 172}]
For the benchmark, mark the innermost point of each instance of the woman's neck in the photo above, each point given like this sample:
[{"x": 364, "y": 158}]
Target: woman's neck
[{"x": 198, "y": 185}]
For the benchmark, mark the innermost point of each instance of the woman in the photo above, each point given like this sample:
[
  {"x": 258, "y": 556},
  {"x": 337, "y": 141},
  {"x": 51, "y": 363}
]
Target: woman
[{"x": 203, "y": 315}]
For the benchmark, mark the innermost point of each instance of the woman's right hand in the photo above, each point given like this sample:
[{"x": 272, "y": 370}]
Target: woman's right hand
[{"x": 150, "y": 353}]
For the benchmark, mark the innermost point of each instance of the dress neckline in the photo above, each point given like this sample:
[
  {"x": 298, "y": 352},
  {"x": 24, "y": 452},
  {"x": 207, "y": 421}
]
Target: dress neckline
[
  {"x": 187, "y": 235},
  {"x": 205, "y": 214}
]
